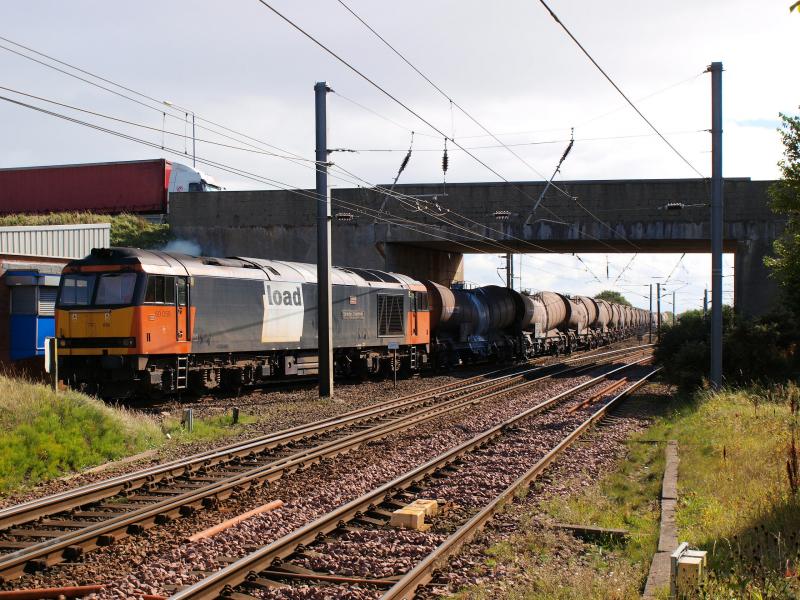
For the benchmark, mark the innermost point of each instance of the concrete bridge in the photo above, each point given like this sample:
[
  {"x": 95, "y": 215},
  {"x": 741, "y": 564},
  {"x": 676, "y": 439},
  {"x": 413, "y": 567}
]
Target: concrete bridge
[{"x": 428, "y": 238}]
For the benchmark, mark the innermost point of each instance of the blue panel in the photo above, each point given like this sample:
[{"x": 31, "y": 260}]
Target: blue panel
[
  {"x": 47, "y": 328},
  {"x": 27, "y": 335}
]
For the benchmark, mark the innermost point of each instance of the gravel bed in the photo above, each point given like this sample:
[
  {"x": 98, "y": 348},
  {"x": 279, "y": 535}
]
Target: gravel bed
[
  {"x": 479, "y": 479},
  {"x": 148, "y": 563}
]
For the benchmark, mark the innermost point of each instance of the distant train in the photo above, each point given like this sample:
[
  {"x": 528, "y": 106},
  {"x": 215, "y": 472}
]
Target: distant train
[{"x": 132, "y": 321}]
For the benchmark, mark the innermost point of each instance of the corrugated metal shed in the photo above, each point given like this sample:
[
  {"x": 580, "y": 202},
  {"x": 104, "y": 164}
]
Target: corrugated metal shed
[{"x": 54, "y": 241}]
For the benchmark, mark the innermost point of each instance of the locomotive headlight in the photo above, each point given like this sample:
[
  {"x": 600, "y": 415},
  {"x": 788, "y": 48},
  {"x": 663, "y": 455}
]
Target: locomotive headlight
[
  {"x": 62, "y": 343},
  {"x": 128, "y": 342}
]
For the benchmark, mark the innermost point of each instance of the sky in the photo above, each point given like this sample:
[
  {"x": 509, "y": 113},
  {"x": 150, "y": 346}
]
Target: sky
[{"x": 507, "y": 63}]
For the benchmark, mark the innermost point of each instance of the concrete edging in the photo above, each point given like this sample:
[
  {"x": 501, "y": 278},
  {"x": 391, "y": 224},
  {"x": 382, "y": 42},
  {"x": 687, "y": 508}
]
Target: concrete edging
[{"x": 659, "y": 575}]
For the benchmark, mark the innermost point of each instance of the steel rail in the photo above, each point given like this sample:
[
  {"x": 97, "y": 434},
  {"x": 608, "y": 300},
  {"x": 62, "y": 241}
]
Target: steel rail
[
  {"x": 423, "y": 572},
  {"x": 95, "y": 492},
  {"x": 73, "y": 543},
  {"x": 236, "y": 573}
]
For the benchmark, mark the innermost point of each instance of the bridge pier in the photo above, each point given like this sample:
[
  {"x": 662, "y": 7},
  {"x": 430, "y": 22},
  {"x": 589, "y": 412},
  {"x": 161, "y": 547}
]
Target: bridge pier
[
  {"x": 755, "y": 292},
  {"x": 425, "y": 263}
]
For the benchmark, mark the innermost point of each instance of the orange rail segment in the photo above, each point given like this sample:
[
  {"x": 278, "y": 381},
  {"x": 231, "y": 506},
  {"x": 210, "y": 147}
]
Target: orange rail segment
[
  {"x": 67, "y": 592},
  {"x": 211, "y": 531}
]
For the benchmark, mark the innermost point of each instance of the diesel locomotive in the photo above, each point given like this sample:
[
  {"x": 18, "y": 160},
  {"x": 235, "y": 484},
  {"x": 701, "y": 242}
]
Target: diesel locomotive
[{"x": 131, "y": 321}]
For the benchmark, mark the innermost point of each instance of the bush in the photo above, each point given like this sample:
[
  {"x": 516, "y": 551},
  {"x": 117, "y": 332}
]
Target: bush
[
  {"x": 754, "y": 351},
  {"x": 44, "y": 434}
]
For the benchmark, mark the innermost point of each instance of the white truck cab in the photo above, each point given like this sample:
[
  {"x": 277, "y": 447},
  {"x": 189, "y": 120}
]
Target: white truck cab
[{"x": 186, "y": 179}]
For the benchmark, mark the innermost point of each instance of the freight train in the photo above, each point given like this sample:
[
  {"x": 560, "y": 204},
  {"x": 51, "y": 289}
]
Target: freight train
[{"x": 143, "y": 322}]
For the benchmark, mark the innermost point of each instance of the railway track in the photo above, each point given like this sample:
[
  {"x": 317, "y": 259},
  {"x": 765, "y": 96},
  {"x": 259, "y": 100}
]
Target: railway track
[
  {"x": 306, "y": 556},
  {"x": 64, "y": 526}
]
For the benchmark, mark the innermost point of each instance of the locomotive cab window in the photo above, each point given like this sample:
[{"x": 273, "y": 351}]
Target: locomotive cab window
[
  {"x": 76, "y": 290},
  {"x": 115, "y": 289},
  {"x": 182, "y": 291},
  {"x": 161, "y": 289},
  {"x": 421, "y": 301}
]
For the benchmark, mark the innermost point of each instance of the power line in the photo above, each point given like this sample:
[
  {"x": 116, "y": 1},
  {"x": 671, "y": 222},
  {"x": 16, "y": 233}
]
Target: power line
[
  {"x": 162, "y": 146},
  {"x": 440, "y": 90},
  {"x": 536, "y": 143},
  {"x": 630, "y": 262},
  {"x": 675, "y": 267},
  {"x": 162, "y": 108},
  {"x": 230, "y": 169},
  {"x": 163, "y": 112},
  {"x": 205, "y": 161},
  {"x": 616, "y": 87},
  {"x": 401, "y": 103},
  {"x": 149, "y": 127},
  {"x": 473, "y": 119}
]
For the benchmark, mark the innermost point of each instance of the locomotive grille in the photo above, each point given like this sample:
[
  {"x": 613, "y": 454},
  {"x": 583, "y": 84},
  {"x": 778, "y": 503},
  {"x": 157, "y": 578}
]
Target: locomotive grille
[{"x": 390, "y": 315}]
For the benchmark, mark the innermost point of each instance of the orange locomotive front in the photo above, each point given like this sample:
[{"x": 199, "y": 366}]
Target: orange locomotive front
[
  {"x": 111, "y": 318},
  {"x": 132, "y": 321}
]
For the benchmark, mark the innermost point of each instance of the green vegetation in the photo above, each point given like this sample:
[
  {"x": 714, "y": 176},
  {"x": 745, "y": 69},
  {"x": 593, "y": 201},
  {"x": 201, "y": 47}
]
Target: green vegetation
[
  {"x": 785, "y": 196},
  {"x": 207, "y": 429},
  {"x": 612, "y": 296},
  {"x": 126, "y": 229},
  {"x": 738, "y": 500},
  {"x": 735, "y": 499},
  {"x": 761, "y": 350},
  {"x": 43, "y": 434}
]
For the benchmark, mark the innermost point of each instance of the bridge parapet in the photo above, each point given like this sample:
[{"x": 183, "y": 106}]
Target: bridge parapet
[{"x": 428, "y": 240}]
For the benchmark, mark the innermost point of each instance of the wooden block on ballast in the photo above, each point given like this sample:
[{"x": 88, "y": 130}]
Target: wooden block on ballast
[
  {"x": 431, "y": 506},
  {"x": 409, "y": 517}
]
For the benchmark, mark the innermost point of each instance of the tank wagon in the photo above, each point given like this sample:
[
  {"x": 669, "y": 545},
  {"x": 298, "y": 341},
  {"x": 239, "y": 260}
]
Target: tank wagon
[
  {"x": 132, "y": 321},
  {"x": 498, "y": 323}
]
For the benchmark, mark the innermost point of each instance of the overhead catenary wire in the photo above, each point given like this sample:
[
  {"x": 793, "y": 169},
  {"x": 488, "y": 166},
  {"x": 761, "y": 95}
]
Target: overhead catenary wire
[
  {"x": 536, "y": 143},
  {"x": 161, "y": 130},
  {"x": 171, "y": 110},
  {"x": 621, "y": 273},
  {"x": 466, "y": 113},
  {"x": 234, "y": 170},
  {"x": 565, "y": 128},
  {"x": 673, "y": 268},
  {"x": 402, "y": 104},
  {"x": 618, "y": 89},
  {"x": 182, "y": 116}
]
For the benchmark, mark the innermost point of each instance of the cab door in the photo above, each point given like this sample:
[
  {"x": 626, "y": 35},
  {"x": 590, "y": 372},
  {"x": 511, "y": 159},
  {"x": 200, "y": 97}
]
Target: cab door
[
  {"x": 414, "y": 314},
  {"x": 182, "y": 309}
]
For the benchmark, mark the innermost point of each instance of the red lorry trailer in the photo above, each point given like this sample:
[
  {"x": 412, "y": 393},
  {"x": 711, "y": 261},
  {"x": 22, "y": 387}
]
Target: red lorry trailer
[{"x": 134, "y": 186}]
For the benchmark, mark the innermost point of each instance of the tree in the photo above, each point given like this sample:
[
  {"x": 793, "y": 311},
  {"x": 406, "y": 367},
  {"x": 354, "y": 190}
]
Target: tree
[
  {"x": 612, "y": 296},
  {"x": 785, "y": 197}
]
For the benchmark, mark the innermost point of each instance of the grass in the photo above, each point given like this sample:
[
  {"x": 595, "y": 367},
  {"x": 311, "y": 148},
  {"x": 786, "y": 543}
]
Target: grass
[
  {"x": 735, "y": 501},
  {"x": 206, "y": 429},
  {"x": 44, "y": 435},
  {"x": 126, "y": 229}
]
